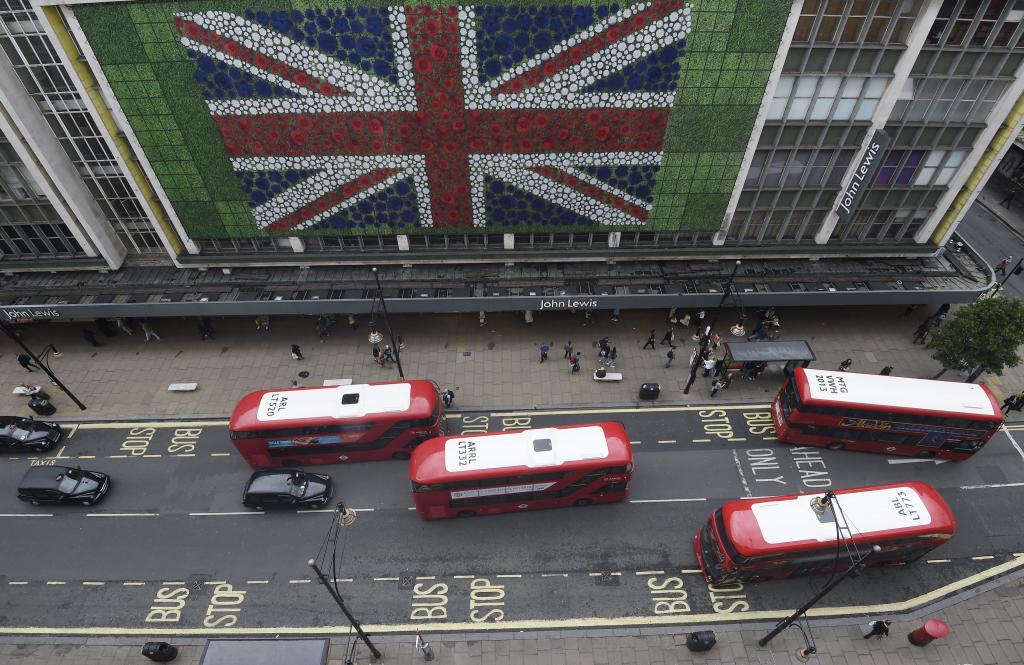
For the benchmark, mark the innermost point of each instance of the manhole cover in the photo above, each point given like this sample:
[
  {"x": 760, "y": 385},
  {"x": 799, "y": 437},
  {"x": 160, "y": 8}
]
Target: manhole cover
[{"x": 304, "y": 374}]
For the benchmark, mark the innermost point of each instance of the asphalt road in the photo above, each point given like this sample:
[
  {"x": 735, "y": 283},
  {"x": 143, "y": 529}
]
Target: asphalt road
[
  {"x": 171, "y": 548},
  {"x": 993, "y": 240}
]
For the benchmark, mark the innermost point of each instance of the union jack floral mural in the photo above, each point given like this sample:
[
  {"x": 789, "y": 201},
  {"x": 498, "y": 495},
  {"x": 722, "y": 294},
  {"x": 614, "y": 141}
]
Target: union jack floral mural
[{"x": 411, "y": 118}]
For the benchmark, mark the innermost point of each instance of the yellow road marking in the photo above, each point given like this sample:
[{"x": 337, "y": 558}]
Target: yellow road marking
[
  {"x": 159, "y": 425},
  {"x": 654, "y": 409}
]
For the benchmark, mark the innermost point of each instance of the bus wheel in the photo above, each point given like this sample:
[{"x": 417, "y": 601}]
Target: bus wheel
[
  {"x": 465, "y": 513},
  {"x": 400, "y": 454},
  {"x": 582, "y": 502},
  {"x": 836, "y": 445},
  {"x": 926, "y": 454}
]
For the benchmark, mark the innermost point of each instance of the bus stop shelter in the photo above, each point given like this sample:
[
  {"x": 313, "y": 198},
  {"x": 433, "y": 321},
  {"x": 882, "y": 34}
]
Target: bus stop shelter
[{"x": 796, "y": 353}]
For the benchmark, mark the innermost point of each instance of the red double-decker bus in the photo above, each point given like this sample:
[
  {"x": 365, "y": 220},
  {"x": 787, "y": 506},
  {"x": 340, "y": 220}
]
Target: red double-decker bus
[
  {"x": 749, "y": 540},
  {"x": 885, "y": 414},
  {"x": 476, "y": 474},
  {"x": 357, "y": 423}
]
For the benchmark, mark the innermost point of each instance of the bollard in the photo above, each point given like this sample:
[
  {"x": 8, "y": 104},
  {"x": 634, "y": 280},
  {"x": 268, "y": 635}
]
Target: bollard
[{"x": 932, "y": 629}]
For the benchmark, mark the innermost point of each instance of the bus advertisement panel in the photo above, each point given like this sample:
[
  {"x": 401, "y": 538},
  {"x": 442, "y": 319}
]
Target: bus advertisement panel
[
  {"x": 749, "y": 540},
  {"x": 885, "y": 414},
  {"x": 475, "y": 474},
  {"x": 297, "y": 426}
]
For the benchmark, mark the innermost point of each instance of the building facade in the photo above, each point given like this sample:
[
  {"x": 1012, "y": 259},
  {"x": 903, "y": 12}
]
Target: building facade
[{"x": 268, "y": 133}]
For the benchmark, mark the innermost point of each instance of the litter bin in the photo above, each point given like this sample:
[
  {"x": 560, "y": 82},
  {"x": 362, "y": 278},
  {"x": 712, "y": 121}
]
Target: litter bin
[
  {"x": 650, "y": 390},
  {"x": 702, "y": 640},
  {"x": 161, "y": 652},
  {"x": 43, "y": 407}
]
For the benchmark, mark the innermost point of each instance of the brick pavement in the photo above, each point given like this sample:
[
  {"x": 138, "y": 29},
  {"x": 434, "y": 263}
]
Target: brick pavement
[{"x": 492, "y": 367}]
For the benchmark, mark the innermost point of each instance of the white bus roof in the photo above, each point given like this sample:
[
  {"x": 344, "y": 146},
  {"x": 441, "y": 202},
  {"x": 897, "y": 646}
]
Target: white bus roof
[
  {"x": 883, "y": 391},
  {"x": 337, "y": 402},
  {"x": 871, "y": 511},
  {"x": 531, "y": 448}
]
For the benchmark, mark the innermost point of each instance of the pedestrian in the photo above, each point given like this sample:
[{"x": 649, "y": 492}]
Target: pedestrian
[
  {"x": 669, "y": 338},
  {"x": 615, "y": 315},
  {"x": 845, "y": 365},
  {"x": 747, "y": 372},
  {"x": 575, "y": 367},
  {"x": 1019, "y": 404},
  {"x": 878, "y": 629},
  {"x": 719, "y": 368},
  {"x": 25, "y": 361},
  {"x": 1008, "y": 404},
  {"x": 448, "y": 397},
  {"x": 208, "y": 326},
  {"x": 202, "y": 331},
  {"x": 728, "y": 380},
  {"x": 671, "y": 355},
  {"x": 760, "y": 332},
  {"x": 716, "y": 385},
  {"x": 148, "y": 331},
  {"x": 758, "y": 368},
  {"x": 388, "y": 354},
  {"x": 587, "y": 316},
  {"x": 1010, "y": 196},
  {"x": 528, "y": 317},
  {"x": 296, "y": 352},
  {"x": 602, "y": 356},
  {"x": 544, "y": 348},
  {"x": 352, "y": 325},
  {"x": 603, "y": 343},
  {"x": 612, "y": 356},
  {"x": 375, "y": 352},
  {"x": 698, "y": 320},
  {"x": 568, "y": 349},
  {"x": 89, "y": 336},
  {"x": 942, "y": 310},
  {"x": 483, "y": 318},
  {"x": 923, "y": 330},
  {"x": 672, "y": 318},
  {"x": 573, "y": 358},
  {"x": 1001, "y": 266},
  {"x": 887, "y": 370},
  {"x": 709, "y": 364},
  {"x": 650, "y": 340},
  {"x": 400, "y": 343},
  {"x": 125, "y": 326},
  {"x": 106, "y": 327}
]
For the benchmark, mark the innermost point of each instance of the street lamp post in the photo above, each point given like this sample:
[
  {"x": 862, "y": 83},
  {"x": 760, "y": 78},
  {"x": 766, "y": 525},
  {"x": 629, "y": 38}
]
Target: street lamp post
[
  {"x": 10, "y": 332},
  {"x": 705, "y": 335},
  {"x": 387, "y": 326}
]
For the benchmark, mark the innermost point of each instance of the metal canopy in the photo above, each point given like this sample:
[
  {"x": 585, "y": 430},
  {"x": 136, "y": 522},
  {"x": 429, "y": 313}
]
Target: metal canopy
[
  {"x": 265, "y": 652},
  {"x": 769, "y": 351}
]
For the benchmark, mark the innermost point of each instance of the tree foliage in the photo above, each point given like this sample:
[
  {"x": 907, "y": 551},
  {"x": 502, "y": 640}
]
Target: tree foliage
[{"x": 983, "y": 336}]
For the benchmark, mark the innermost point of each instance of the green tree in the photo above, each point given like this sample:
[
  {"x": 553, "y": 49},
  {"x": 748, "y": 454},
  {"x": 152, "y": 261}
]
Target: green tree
[{"x": 983, "y": 336}]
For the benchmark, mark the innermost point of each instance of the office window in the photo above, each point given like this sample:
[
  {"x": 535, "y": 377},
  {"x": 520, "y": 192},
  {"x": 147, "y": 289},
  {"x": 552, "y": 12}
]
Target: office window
[
  {"x": 939, "y": 167},
  {"x": 823, "y": 98}
]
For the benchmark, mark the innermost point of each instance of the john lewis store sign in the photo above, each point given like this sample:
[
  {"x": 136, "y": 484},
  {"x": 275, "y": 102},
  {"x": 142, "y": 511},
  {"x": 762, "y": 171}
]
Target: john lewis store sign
[{"x": 858, "y": 185}]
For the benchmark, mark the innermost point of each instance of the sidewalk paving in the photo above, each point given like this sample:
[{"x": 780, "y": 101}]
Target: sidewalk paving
[
  {"x": 984, "y": 630},
  {"x": 494, "y": 367}
]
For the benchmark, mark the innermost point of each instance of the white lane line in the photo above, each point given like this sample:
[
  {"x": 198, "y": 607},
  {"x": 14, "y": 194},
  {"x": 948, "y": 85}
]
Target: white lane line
[
  {"x": 153, "y": 455},
  {"x": 739, "y": 470},
  {"x": 702, "y": 440},
  {"x": 427, "y": 577},
  {"x": 649, "y": 572},
  {"x": 172, "y": 584},
  {"x": 298, "y": 581},
  {"x": 331, "y": 510},
  {"x": 214, "y": 582},
  {"x": 93, "y": 583},
  {"x": 666, "y": 440},
  {"x": 982, "y": 558},
  {"x": 554, "y": 574},
  {"x": 635, "y": 443},
  {"x": 937, "y": 561},
  {"x": 26, "y": 514},
  {"x": 510, "y": 576},
  {"x": 220, "y": 454},
  {"x": 385, "y": 579},
  {"x": 122, "y": 514},
  {"x": 987, "y": 487},
  {"x": 691, "y": 571},
  {"x": 1014, "y": 442},
  {"x": 183, "y": 455},
  {"x": 56, "y": 583},
  {"x": 345, "y": 579},
  {"x": 464, "y": 577},
  {"x": 600, "y": 574},
  {"x": 666, "y": 500},
  {"x": 133, "y": 584},
  {"x": 257, "y": 581},
  {"x": 118, "y": 456},
  {"x": 17, "y": 583},
  {"x": 86, "y": 457},
  {"x": 240, "y": 512}
]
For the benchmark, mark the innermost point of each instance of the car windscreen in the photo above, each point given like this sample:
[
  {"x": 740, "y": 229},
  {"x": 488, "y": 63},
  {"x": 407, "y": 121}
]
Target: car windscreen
[{"x": 69, "y": 481}]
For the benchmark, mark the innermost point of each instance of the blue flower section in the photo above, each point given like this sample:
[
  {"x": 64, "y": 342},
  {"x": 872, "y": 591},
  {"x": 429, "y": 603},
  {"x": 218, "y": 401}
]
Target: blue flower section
[
  {"x": 636, "y": 181},
  {"x": 393, "y": 207},
  {"x": 510, "y": 34},
  {"x": 658, "y": 72},
  {"x": 509, "y": 207},
  {"x": 359, "y": 36},
  {"x": 222, "y": 81},
  {"x": 265, "y": 185}
]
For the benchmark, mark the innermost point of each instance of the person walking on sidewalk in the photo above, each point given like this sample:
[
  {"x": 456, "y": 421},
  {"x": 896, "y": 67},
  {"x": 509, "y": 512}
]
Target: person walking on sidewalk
[
  {"x": 1018, "y": 404},
  {"x": 448, "y": 397},
  {"x": 388, "y": 354},
  {"x": 716, "y": 385},
  {"x": 296, "y": 352},
  {"x": 125, "y": 326},
  {"x": 922, "y": 331},
  {"x": 1001, "y": 266},
  {"x": 1010, "y": 196},
  {"x": 845, "y": 365},
  {"x": 878, "y": 629},
  {"x": 148, "y": 331},
  {"x": 352, "y": 325},
  {"x": 650, "y": 340},
  {"x": 669, "y": 338},
  {"x": 671, "y": 355},
  {"x": 25, "y": 361},
  {"x": 1008, "y": 404},
  {"x": 612, "y": 355},
  {"x": 544, "y": 348},
  {"x": 568, "y": 349},
  {"x": 709, "y": 364}
]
